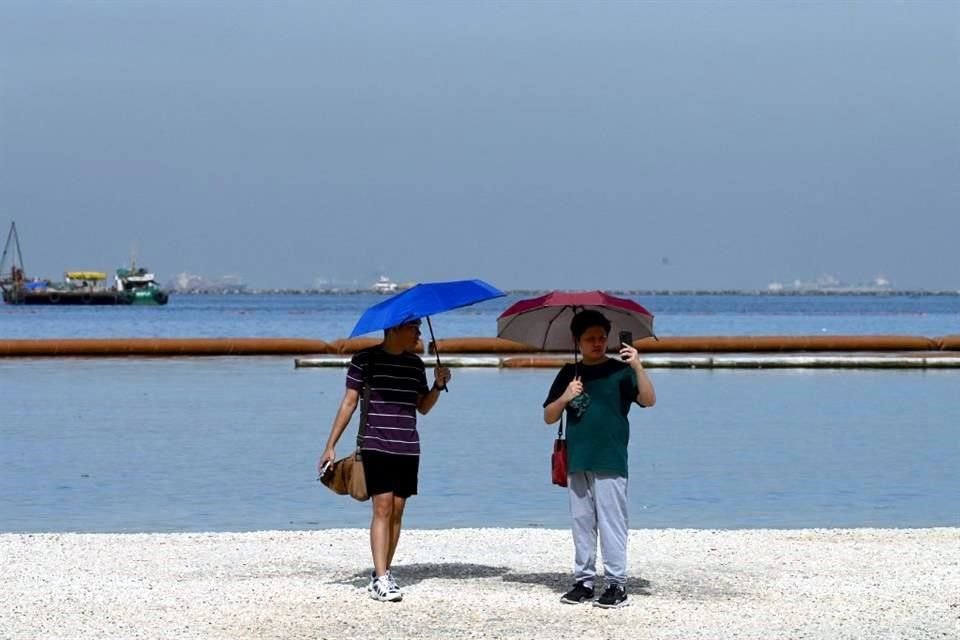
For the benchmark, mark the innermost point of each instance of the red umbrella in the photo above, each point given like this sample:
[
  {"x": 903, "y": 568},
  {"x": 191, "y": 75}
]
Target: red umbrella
[{"x": 544, "y": 322}]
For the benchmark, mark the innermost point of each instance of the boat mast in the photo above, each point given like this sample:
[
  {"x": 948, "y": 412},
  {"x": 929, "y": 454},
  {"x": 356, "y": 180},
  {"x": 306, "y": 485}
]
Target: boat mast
[
  {"x": 15, "y": 278},
  {"x": 134, "y": 251}
]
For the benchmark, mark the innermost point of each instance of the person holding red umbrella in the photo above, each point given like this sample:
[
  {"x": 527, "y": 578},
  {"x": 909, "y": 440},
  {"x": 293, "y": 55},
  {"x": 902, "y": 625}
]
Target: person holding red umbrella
[{"x": 597, "y": 394}]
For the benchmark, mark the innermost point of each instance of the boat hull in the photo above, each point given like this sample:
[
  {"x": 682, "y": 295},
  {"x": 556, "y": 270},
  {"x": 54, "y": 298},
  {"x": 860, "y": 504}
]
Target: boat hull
[
  {"x": 149, "y": 297},
  {"x": 83, "y": 298}
]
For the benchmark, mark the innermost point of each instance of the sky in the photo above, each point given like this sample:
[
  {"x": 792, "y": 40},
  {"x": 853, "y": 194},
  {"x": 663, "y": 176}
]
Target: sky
[{"x": 536, "y": 145}]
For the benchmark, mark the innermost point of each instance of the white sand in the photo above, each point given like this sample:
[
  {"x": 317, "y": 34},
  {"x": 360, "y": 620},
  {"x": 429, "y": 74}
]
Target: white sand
[{"x": 481, "y": 583}]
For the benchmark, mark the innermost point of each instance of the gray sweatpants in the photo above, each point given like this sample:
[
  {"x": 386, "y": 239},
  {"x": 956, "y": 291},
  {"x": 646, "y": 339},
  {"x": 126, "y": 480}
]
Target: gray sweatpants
[{"x": 598, "y": 502}]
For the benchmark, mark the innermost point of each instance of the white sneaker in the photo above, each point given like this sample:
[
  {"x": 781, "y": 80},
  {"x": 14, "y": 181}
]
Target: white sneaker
[
  {"x": 373, "y": 578},
  {"x": 383, "y": 591}
]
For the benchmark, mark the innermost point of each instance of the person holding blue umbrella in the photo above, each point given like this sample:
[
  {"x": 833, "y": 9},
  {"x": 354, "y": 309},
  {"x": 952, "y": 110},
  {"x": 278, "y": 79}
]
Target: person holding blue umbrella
[{"x": 392, "y": 379}]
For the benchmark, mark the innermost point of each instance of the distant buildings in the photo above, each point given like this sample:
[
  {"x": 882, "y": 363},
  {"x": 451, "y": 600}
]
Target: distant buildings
[
  {"x": 191, "y": 283},
  {"x": 828, "y": 283},
  {"x": 232, "y": 284}
]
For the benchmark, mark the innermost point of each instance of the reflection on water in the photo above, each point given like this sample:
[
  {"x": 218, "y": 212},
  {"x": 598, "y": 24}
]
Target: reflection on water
[{"x": 230, "y": 444}]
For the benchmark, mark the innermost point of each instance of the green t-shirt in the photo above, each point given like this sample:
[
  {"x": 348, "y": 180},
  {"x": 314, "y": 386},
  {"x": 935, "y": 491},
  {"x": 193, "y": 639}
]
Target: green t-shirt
[{"x": 597, "y": 427}]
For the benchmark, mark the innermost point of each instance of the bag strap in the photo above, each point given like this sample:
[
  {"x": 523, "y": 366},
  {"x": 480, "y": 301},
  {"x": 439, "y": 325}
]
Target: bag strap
[
  {"x": 576, "y": 372},
  {"x": 365, "y": 402}
]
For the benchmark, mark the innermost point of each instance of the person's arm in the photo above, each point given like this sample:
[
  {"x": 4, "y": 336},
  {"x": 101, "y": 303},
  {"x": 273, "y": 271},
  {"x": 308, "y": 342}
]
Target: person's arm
[
  {"x": 348, "y": 405},
  {"x": 646, "y": 396},
  {"x": 553, "y": 410},
  {"x": 441, "y": 376}
]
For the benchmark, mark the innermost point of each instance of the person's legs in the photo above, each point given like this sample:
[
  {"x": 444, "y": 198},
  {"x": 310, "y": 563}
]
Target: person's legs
[
  {"x": 396, "y": 517},
  {"x": 611, "y": 494},
  {"x": 381, "y": 587},
  {"x": 404, "y": 471},
  {"x": 389, "y": 483},
  {"x": 380, "y": 533},
  {"x": 583, "y": 511},
  {"x": 612, "y": 522}
]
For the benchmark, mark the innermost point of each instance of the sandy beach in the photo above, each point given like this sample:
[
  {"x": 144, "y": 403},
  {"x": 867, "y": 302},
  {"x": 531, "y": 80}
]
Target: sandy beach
[{"x": 481, "y": 583}]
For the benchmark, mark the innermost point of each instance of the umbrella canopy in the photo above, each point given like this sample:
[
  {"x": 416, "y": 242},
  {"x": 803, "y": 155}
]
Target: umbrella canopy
[
  {"x": 544, "y": 322},
  {"x": 422, "y": 300}
]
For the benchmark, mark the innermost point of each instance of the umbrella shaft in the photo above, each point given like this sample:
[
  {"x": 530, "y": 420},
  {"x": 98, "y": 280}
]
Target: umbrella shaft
[{"x": 436, "y": 351}]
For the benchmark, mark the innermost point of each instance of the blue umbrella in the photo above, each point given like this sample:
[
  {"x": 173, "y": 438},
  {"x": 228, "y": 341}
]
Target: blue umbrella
[{"x": 423, "y": 301}]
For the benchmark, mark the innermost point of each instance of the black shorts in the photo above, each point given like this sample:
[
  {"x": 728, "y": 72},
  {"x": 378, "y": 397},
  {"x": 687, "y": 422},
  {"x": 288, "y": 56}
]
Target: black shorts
[{"x": 390, "y": 473}]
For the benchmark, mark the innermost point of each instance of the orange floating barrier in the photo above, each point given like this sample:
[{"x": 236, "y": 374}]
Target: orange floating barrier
[
  {"x": 723, "y": 344},
  {"x": 533, "y": 362},
  {"x": 692, "y": 344},
  {"x": 352, "y": 345},
  {"x": 163, "y": 347},
  {"x": 949, "y": 343},
  {"x": 480, "y": 345},
  {"x": 753, "y": 344}
]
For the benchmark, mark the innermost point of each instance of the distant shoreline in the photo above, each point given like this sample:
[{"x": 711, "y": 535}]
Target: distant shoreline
[{"x": 631, "y": 292}]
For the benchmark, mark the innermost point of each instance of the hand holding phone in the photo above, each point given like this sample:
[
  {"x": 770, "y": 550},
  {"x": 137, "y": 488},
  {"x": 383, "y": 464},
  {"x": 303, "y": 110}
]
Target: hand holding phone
[{"x": 626, "y": 338}]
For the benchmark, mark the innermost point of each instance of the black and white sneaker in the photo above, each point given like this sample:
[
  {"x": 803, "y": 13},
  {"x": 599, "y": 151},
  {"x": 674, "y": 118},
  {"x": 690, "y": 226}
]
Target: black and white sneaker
[
  {"x": 578, "y": 595},
  {"x": 390, "y": 579},
  {"x": 383, "y": 591},
  {"x": 613, "y": 598}
]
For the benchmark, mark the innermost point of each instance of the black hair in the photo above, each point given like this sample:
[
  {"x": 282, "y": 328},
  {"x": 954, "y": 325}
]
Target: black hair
[{"x": 586, "y": 319}]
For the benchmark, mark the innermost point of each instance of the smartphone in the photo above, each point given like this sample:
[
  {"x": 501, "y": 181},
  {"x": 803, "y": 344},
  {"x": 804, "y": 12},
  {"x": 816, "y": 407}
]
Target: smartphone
[
  {"x": 323, "y": 469},
  {"x": 626, "y": 337}
]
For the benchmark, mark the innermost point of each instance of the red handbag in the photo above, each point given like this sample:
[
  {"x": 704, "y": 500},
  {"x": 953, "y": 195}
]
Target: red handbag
[{"x": 558, "y": 461}]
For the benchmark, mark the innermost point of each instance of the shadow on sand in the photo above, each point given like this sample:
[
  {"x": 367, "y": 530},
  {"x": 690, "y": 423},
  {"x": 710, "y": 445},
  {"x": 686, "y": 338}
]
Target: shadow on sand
[
  {"x": 561, "y": 582},
  {"x": 414, "y": 573},
  {"x": 409, "y": 574}
]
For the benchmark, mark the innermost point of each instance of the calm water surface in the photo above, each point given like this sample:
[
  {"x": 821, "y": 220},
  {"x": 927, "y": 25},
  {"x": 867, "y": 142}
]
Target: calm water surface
[
  {"x": 329, "y": 317},
  {"x": 230, "y": 444}
]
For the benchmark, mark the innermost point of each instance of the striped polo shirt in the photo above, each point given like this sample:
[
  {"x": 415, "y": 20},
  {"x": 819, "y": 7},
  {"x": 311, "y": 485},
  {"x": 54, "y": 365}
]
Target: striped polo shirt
[{"x": 397, "y": 382}]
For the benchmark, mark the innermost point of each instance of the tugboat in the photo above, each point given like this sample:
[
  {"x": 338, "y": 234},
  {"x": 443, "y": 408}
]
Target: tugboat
[
  {"x": 141, "y": 285},
  {"x": 133, "y": 286}
]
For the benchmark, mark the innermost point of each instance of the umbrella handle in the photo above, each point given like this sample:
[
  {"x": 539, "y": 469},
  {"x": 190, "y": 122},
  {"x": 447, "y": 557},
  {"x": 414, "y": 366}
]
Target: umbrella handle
[{"x": 436, "y": 351}]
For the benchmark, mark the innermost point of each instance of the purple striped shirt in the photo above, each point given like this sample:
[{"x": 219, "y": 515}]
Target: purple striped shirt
[{"x": 397, "y": 382}]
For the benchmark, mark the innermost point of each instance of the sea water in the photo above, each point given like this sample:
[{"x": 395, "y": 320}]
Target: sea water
[
  {"x": 230, "y": 444},
  {"x": 328, "y": 317}
]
